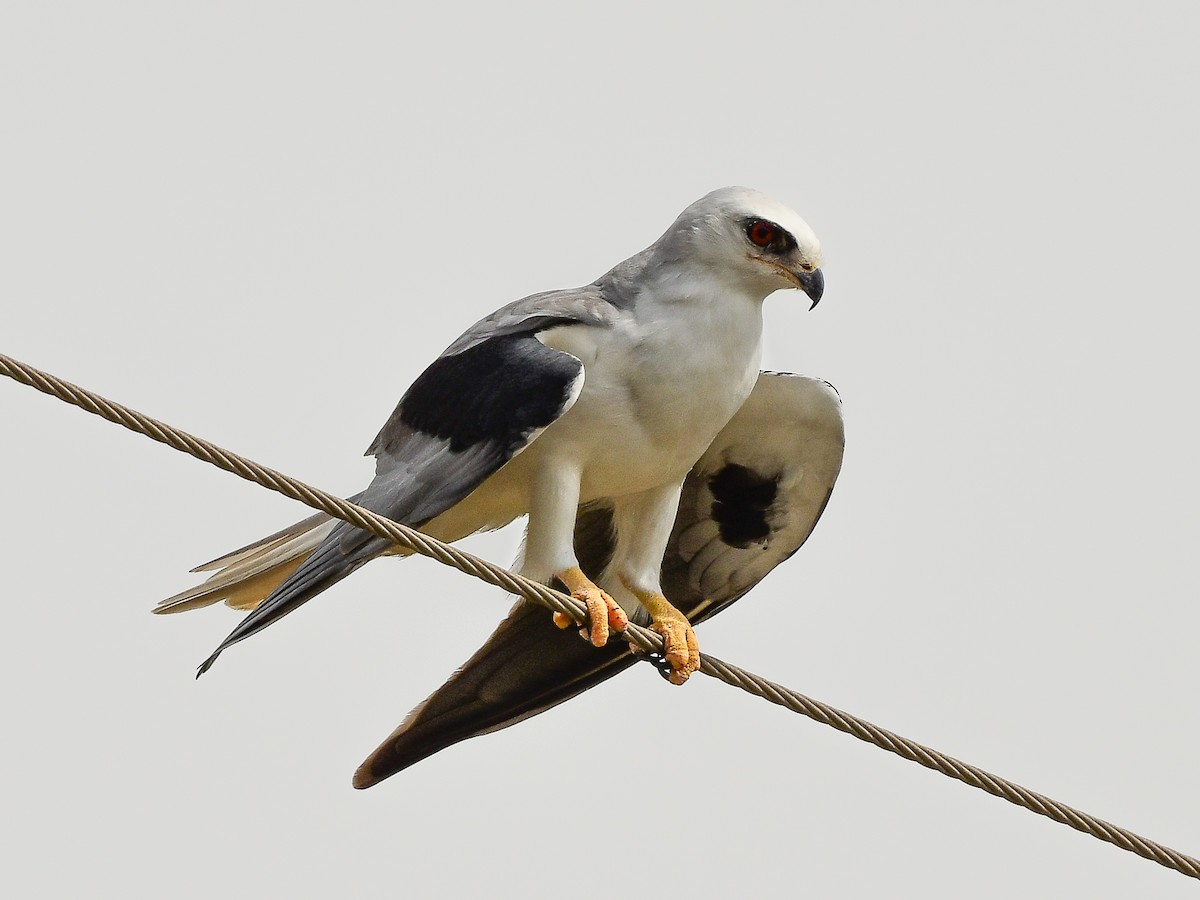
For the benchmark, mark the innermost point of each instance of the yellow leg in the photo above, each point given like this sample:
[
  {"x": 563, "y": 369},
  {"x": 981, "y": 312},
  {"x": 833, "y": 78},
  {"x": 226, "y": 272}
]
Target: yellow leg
[
  {"x": 603, "y": 611},
  {"x": 679, "y": 640}
]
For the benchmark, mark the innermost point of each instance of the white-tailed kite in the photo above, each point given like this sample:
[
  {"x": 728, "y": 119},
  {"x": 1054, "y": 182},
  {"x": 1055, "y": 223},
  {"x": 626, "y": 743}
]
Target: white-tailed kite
[{"x": 593, "y": 411}]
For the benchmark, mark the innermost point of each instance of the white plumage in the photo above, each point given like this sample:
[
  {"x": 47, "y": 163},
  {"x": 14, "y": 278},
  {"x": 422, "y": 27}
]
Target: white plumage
[{"x": 607, "y": 394}]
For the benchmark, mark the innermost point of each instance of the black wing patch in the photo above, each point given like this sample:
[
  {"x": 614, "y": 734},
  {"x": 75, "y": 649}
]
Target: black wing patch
[
  {"x": 462, "y": 419},
  {"x": 742, "y": 498},
  {"x": 499, "y": 391}
]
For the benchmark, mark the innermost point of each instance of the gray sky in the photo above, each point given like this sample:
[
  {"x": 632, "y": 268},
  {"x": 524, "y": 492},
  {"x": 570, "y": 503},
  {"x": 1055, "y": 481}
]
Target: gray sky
[{"x": 260, "y": 221}]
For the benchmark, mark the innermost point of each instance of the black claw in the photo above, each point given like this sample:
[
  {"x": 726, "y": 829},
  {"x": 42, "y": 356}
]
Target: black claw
[{"x": 655, "y": 659}]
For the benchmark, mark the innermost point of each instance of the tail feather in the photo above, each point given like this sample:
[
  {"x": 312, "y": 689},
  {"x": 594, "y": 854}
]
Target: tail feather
[
  {"x": 266, "y": 544},
  {"x": 324, "y": 567},
  {"x": 248, "y": 575}
]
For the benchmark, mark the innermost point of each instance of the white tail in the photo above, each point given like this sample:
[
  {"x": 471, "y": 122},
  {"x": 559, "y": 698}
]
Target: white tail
[{"x": 245, "y": 577}]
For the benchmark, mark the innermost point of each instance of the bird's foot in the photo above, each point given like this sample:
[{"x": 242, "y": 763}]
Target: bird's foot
[
  {"x": 680, "y": 648},
  {"x": 603, "y": 611}
]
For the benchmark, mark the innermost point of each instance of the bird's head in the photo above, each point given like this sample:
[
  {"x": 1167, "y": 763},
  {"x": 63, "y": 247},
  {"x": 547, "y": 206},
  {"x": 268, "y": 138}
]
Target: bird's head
[{"x": 745, "y": 236}]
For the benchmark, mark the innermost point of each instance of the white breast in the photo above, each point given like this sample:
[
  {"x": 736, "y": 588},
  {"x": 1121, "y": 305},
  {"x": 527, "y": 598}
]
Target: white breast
[{"x": 658, "y": 386}]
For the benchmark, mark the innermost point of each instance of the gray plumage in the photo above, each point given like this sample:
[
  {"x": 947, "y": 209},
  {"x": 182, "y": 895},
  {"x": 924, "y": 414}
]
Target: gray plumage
[
  {"x": 599, "y": 413},
  {"x": 788, "y": 433},
  {"x": 475, "y": 407}
]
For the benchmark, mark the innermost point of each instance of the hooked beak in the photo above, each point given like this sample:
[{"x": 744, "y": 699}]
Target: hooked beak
[{"x": 812, "y": 283}]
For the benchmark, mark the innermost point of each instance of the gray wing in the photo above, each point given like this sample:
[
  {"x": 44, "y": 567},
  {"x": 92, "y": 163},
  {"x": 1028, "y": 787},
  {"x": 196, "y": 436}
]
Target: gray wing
[
  {"x": 589, "y": 305},
  {"x": 476, "y": 406},
  {"x": 749, "y": 503}
]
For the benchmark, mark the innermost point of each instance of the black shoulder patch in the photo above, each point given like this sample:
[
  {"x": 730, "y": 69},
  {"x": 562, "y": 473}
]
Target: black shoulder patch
[
  {"x": 500, "y": 391},
  {"x": 741, "y": 501}
]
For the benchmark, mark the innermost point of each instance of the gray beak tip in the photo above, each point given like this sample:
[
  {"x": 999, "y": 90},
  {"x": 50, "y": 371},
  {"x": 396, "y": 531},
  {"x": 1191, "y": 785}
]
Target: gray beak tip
[{"x": 813, "y": 284}]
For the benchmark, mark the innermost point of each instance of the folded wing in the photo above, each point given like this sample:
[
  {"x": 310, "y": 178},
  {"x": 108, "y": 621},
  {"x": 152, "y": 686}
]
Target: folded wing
[
  {"x": 470, "y": 412},
  {"x": 749, "y": 503}
]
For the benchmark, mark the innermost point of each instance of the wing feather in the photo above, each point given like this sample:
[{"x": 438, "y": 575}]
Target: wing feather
[
  {"x": 462, "y": 419},
  {"x": 749, "y": 503}
]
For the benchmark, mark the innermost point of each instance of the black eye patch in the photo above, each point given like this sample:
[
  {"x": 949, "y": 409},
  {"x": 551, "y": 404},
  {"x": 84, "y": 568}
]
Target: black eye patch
[{"x": 769, "y": 236}]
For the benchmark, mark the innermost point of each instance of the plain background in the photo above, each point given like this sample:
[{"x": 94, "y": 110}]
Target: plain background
[{"x": 260, "y": 221}]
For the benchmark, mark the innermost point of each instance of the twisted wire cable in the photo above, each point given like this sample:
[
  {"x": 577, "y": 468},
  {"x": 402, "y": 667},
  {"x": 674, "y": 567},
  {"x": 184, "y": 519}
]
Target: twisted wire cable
[{"x": 640, "y": 637}]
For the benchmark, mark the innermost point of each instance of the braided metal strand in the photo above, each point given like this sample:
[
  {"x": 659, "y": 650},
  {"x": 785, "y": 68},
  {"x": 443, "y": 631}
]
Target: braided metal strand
[
  {"x": 641, "y": 637},
  {"x": 951, "y": 767}
]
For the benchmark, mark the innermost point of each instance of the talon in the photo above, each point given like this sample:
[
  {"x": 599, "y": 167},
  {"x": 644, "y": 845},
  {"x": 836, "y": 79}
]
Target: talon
[
  {"x": 680, "y": 648},
  {"x": 603, "y": 612}
]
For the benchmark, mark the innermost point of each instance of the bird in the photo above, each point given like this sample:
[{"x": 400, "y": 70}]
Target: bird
[{"x": 593, "y": 411}]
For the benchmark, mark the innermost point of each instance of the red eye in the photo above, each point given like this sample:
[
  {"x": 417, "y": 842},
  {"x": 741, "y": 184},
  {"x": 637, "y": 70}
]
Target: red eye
[{"x": 762, "y": 234}]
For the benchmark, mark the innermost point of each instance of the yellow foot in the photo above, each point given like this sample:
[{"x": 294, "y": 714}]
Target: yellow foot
[
  {"x": 603, "y": 611},
  {"x": 679, "y": 640}
]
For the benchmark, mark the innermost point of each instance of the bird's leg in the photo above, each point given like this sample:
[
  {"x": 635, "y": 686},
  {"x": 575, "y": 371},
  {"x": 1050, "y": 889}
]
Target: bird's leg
[
  {"x": 679, "y": 640},
  {"x": 550, "y": 551},
  {"x": 603, "y": 611},
  {"x": 643, "y": 525}
]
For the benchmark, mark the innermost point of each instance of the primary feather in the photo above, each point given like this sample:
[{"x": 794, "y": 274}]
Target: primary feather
[
  {"x": 600, "y": 399},
  {"x": 788, "y": 436}
]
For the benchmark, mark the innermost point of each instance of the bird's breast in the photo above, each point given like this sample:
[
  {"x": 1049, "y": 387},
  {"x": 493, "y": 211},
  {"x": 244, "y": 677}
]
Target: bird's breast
[{"x": 656, "y": 392}]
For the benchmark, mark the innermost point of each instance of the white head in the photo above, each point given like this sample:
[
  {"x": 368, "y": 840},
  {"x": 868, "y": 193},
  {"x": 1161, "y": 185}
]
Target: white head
[{"x": 746, "y": 237}]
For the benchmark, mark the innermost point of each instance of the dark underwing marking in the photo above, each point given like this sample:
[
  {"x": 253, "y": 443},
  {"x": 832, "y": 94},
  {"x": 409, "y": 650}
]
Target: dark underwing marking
[
  {"x": 501, "y": 390},
  {"x": 741, "y": 500}
]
